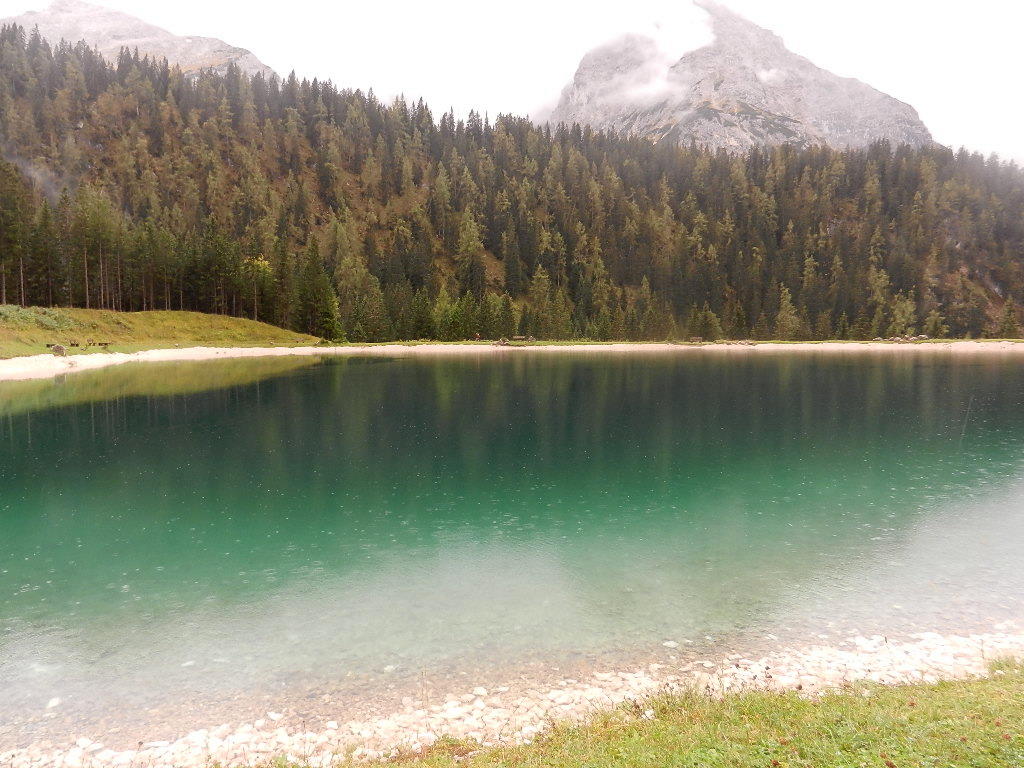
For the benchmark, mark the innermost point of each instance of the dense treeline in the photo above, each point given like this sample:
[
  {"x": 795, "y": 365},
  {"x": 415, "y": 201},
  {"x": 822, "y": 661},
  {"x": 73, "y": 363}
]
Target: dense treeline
[{"x": 130, "y": 186}]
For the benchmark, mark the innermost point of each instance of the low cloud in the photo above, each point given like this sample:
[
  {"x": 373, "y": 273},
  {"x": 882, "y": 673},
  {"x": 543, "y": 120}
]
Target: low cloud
[
  {"x": 637, "y": 68},
  {"x": 46, "y": 181}
]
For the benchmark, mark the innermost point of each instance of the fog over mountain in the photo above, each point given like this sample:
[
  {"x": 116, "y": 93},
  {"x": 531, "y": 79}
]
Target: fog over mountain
[
  {"x": 743, "y": 89},
  {"x": 110, "y": 31}
]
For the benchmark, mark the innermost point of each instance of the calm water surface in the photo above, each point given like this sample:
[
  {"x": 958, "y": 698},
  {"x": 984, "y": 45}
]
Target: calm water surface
[{"x": 175, "y": 531}]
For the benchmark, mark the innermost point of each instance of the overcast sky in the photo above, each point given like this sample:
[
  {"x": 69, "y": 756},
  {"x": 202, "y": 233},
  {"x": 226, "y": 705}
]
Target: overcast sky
[{"x": 959, "y": 64}]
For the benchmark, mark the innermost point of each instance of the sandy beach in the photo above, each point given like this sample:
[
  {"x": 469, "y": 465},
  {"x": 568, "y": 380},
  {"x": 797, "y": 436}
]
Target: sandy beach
[{"x": 49, "y": 366}]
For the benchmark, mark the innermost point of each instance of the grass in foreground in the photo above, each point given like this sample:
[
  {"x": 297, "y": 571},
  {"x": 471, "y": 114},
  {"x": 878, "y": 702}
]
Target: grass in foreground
[
  {"x": 977, "y": 723},
  {"x": 27, "y": 331}
]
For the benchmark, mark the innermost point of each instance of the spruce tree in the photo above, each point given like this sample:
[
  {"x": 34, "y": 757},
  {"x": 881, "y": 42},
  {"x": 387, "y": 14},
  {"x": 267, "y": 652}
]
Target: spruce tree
[
  {"x": 318, "y": 303},
  {"x": 362, "y": 313},
  {"x": 787, "y": 321},
  {"x": 443, "y": 316},
  {"x": 903, "y": 316},
  {"x": 422, "y": 318},
  {"x": 508, "y": 320},
  {"x": 469, "y": 255},
  {"x": 935, "y": 326},
  {"x": 539, "y": 317},
  {"x": 1008, "y": 327}
]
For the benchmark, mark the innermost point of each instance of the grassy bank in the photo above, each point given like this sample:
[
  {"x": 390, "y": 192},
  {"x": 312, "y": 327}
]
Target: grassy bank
[
  {"x": 977, "y": 723},
  {"x": 27, "y": 331}
]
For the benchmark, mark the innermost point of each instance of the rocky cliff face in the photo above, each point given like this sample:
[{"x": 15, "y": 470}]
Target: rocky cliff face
[
  {"x": 110, "y": 31},
  {"x": 743, "y": 90}
]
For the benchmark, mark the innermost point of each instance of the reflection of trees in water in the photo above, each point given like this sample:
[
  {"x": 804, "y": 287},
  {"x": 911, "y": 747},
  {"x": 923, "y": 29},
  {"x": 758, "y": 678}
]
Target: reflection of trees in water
[
  {"x": 638, "y": 483},
  {"x": 142, "y": 380}
]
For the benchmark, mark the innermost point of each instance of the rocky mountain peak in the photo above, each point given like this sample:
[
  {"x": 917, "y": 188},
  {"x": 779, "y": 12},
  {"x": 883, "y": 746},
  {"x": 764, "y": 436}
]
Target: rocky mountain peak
[
  {"x": 733, "y": 30},
  {"x": 744, "y": 89},
  {"x": 109, "y": 31}
]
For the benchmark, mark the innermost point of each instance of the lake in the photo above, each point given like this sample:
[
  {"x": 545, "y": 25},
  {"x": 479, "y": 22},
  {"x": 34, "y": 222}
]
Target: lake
[{"x": 180, "y": 538}]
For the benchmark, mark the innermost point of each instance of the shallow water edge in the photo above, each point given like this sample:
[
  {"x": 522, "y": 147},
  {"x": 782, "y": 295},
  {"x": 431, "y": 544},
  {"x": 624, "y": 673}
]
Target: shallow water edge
[
  {"x": 47, "y": 366},
  {"x": 520, "y": 710}
]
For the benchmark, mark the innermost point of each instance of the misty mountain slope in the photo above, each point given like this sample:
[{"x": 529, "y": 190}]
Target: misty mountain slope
[
  {"x": 110, "y": 31},
  {"x": 335, "y": 214},
  {"x": 743, "y": 90}
]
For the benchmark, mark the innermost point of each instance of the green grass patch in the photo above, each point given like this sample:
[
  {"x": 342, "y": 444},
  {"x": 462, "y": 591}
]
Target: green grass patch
[
  {"x": 975, "y": 723},
  {"x": 27, "y": 331}
]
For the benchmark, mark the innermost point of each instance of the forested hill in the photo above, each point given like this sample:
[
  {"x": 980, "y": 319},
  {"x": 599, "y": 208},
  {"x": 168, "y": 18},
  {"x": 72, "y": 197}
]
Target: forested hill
[{"x": 130, "y": 186}]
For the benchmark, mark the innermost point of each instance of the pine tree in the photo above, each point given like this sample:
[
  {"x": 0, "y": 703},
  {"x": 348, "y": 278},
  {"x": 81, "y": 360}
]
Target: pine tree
[
  {"x": 443, "y": 315},
  {"x": 258, "y": 273},
  {"x": 508, "y": 321},
  {"x": 843, "y": 327},
  {"x": 704, "y": 324},
  {"x": 362, "y": 313},
  {"x": 903, "y": 316},
  {"x": 539, "y": 316},
  {"x": 490, "y": 316},
  {"x": 45, "y": 281},
  {"x": 318, "y": 304},
  {"x": 762, "y": 329},
  {"x": 1008, "y": 327},
  {"x": 13, "y": 216},
  {"x": 469, "y": 255},
  {"x": 787, "y": 321},
  {"x": 711, "y": 327},
  {"x": 342, "y": 241},
  {"x": 935, "y": 326},
  {"x": 465, "y": 318},
  {"x": 285, "y": 289}
]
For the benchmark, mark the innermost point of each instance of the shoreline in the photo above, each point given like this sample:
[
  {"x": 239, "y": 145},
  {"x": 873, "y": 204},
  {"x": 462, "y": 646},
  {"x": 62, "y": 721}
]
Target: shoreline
[
  {"x": 502, "y": 715},
  {"x": 46, "y": 366}
]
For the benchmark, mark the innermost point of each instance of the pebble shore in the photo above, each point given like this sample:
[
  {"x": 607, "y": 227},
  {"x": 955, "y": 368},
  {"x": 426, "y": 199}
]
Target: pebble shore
[
  {"x": 500, "y": 715},
  {"x": 48, "y": 366}
]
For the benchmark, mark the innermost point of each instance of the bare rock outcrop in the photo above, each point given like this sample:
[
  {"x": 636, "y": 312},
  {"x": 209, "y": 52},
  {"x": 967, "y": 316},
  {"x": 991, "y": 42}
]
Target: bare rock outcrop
[
  {"x": 745, "y": 89},
  {"x": 109, "y": 31}
]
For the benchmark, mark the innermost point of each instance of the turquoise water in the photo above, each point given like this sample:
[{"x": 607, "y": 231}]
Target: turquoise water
[{"x": 181, "y": 531}]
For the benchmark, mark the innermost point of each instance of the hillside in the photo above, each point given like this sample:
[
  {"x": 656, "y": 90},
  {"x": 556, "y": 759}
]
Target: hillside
[
  {"x": 28, "y": 331},
  {"x": 325, "y": 211},
  {"x": 109, "y": 31}
]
